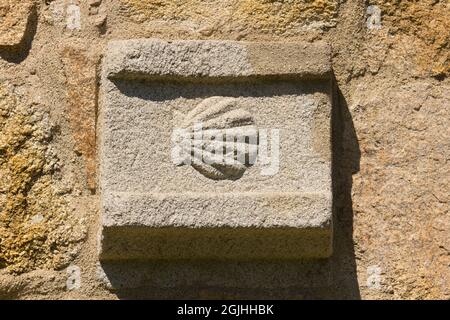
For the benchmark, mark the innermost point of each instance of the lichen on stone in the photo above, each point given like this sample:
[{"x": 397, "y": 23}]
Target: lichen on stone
[
  {"x": 36, "y": 228},
  {"x": 141, "y": 9},
  {"x": 264, "y": 16},
  {"x": 427, "y": 24},
  {"x": 14, "y": 17},
  {"x": 277, "y": 16}
]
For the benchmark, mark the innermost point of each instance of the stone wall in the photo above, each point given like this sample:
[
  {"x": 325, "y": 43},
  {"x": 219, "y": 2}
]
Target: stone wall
[{"x": 391, "y": 145}]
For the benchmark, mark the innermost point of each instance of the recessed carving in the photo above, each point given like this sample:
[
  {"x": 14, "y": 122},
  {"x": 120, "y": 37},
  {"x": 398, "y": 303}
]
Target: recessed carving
[{"x": 217, "y": 138}]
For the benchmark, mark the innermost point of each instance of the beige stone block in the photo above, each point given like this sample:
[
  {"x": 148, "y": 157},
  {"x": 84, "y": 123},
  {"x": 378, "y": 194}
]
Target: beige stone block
[{"x": 272, "y": 99}]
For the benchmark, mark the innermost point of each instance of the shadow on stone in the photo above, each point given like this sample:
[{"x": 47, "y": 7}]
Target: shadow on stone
[
  {"x": 18, "y": 53},
  {"x": 346, "y": 159}
]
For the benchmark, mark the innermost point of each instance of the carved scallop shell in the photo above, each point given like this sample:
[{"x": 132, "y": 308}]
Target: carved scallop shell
[{"x": 218, "y": 139}]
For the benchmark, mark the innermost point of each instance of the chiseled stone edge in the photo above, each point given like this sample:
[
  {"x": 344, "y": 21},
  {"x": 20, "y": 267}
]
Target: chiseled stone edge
[
  {"x": 216, "y": 226},
  {"x": 211, "y": 210},
  {"x": 140, "y": 58}
]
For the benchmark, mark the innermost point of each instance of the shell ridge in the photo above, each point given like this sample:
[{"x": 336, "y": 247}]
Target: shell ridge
[
  {"x": 223, "y": 138},
  {"x": 214, "y": 111},
  {"x": 203, "y": 108}
]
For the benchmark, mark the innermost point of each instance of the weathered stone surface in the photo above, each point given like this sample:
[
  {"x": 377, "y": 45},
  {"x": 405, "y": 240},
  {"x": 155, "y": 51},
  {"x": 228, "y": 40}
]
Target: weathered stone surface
[
  {"x": 270, "y": 17},
  {"x": 14, "y": 18},
  {"x": 81, "y": 78},
  {"x": 36, "y": 228},
  {"x": 152, "y": 208},
  {"x": 215, "y": 59},
  {"x": 401, "y": 164},
  {"x": 391, "y": 159},
  {"x": 421, "y": 28}
]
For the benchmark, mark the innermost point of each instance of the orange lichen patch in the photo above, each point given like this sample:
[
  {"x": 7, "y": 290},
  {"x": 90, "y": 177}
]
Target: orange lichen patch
[
  {"x": 165, "y": 9},
  {"x": 428, "y": 23},
  {"x": 262, "y": 16},
  {"x": 82, "y": 107},
  {"x": 270, "y": 15},
  {"x": 36, "y": 230}
]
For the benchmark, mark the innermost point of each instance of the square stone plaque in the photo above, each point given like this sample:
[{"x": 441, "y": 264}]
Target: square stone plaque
[{"x": 215, "y": 150}]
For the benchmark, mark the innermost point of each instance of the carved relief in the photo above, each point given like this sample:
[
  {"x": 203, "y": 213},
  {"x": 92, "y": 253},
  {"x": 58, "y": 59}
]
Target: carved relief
[
  {"x": 214, "y": 109},
  {"x": 217, "y": 138}
]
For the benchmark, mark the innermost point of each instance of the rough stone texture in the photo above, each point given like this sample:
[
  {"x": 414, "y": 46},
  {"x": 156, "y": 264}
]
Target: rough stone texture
[
  {"x": 151, "y": 208},
  {"x": 428, "y": 34},
  {"x": 14, "y": 21},
  {"x": 390, "y": 148},
  {"x": 246, "y": 16},
  {"x": 35, "y": 227},
  {"x": 216, "y": 59},
  {"x": 411, "y": 241},
  {"x": 81, "y": 78}
]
